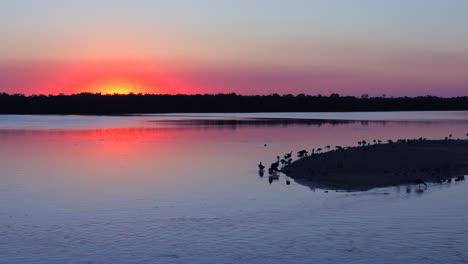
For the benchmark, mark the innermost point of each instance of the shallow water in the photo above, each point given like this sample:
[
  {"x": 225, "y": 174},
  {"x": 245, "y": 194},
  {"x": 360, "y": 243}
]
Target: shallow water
[{"x": 185, "y": 189}]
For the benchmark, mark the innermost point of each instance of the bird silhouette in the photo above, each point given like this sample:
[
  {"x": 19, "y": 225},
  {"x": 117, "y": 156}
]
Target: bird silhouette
[
  {"x": 419, "y": 182},
  {"x": 460, "y": 178},
  {"x": 261, "y": 167},
  {"x": 302, "y": 153}
]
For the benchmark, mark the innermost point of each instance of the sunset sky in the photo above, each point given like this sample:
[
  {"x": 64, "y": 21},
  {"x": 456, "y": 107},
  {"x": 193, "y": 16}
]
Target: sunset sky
[{"x": 398, "y": 47}]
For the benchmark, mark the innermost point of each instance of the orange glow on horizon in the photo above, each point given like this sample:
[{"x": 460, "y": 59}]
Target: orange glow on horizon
[
  {"x": 105, "y": 77},
  {"x": 118, "y": 87}
]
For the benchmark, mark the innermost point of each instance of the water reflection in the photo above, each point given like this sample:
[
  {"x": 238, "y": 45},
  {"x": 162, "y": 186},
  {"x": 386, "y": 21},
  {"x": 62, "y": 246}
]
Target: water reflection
[
  {"x": 415, "y": 188},
  {"x": 221, "y": 123},
  {"x": 259, "y": 122},
  {"x": 82, "y": 193}
]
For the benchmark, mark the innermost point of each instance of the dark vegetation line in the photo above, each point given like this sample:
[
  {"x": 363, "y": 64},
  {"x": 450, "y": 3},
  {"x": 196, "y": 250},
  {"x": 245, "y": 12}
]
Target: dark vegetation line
[{"x": 86, "y": 103}]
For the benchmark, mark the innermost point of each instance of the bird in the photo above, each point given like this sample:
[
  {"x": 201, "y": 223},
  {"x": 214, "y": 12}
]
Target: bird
[
  {"x": 460, "y": 178},
  {"x": 302, "y": 153},
  {"x": 419, "y": 182},
  {"x": 261, "y": 167},
  {"x": 273, "y": 167}
]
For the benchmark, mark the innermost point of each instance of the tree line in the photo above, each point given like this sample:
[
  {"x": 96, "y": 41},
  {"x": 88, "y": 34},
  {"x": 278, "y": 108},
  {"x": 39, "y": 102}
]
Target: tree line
[{"x": 97, "y": 104}]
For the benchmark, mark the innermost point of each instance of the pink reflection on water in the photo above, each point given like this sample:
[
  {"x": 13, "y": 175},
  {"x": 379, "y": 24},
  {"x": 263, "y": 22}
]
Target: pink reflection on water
[{"x": 189, "y": 151}]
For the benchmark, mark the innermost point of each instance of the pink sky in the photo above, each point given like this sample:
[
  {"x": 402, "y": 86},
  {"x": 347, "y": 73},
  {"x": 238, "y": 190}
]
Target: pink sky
[
  {"x": 145, "y": 77},
  {"x": 397, "y": 48}
]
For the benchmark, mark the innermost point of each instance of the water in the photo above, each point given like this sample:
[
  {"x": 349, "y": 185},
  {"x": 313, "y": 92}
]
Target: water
[{"x": 185, "y": 189}]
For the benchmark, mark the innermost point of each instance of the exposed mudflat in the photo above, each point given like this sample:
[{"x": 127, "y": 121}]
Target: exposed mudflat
[{"x": 382, "y": 165}]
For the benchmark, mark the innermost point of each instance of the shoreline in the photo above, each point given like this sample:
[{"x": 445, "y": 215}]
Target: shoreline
[{"x": 383, "y": 165}]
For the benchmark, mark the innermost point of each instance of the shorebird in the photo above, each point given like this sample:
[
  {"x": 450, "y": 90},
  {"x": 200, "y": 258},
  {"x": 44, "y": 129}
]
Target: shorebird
[
  {"x": 273, "y": 167},
  {"x": 283, "y": 161},
  {"x": 302, "y": 153},
  {"x": 419, "y": 182},
  {"x": 261, "y": 167},
  {"x": 460, "y": 178}
]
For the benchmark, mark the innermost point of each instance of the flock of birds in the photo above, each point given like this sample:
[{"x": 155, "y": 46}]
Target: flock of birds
[{"x": 276, "y": 167}]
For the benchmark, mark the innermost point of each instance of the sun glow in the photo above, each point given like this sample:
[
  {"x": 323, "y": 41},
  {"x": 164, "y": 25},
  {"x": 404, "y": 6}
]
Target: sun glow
[{"x": 118, "y": 87}]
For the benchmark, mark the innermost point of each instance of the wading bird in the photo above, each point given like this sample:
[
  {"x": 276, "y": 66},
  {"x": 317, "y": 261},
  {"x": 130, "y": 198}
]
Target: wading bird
[
  {"x": 460, "y": 178},
  {"x": 419, "y": 182},
  {"x": 261, "y": 167},
  {"x": 302, "y": 153}
]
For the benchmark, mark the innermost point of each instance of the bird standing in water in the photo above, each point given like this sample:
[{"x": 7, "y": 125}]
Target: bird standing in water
[
  {"x": 261, "y": 167},
  {"x": 419, "y": 182}
]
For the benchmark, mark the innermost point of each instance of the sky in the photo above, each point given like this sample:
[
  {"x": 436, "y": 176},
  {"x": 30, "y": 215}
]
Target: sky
[{"x": 375, "y": 47}]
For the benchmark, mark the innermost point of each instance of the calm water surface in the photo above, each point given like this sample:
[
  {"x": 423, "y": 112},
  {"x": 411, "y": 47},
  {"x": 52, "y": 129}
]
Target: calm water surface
[{"x": 185, "y": 189}]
